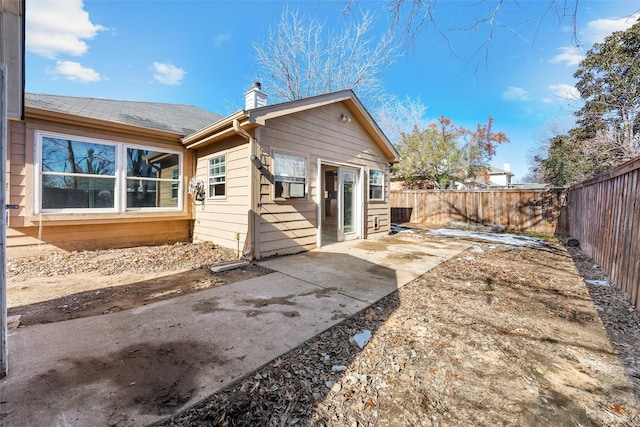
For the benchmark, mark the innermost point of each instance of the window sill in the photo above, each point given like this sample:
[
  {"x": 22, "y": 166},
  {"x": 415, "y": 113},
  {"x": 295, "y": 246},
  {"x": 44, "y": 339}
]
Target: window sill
[
  {"x": 290, "y": 199},
  {"x": 105, "y": 218}
]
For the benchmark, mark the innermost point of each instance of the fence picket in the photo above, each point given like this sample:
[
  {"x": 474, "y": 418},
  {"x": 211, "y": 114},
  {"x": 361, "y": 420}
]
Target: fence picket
[{"x": 605, "y": 217}]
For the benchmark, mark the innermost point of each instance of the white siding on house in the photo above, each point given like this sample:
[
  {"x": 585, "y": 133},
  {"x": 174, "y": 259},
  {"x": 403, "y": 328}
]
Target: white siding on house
[{"x": 499, "y": 179}]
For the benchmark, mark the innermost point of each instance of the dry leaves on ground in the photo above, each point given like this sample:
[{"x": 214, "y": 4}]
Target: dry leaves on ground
[
  {"x": 141, "y": 259},
  {"x": 499, "y": 335}
]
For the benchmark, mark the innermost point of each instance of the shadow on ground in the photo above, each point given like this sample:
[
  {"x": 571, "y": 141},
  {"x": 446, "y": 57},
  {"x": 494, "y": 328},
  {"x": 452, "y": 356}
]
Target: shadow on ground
[
  {"x": 113, "y": 299},
  {"x": 619, "y": 317},
  {"x": 287, "y": 390}
]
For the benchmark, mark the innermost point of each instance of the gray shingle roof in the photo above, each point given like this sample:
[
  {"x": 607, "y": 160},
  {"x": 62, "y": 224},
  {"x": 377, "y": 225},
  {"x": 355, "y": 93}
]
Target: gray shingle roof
[
  {"x": 176, "y": 118},
  {"x": 491, "y": 170}
]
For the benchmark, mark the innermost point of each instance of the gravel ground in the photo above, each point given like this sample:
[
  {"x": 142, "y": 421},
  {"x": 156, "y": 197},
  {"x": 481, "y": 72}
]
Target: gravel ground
[
  {"x": 61, "y": 286},
  {"x": 142, "y": 259}
]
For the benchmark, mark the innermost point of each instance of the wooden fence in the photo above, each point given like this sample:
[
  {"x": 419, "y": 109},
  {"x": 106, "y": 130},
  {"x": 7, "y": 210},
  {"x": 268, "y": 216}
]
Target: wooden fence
[
  {"x": 605, "y": 217},
  {"x": 534, "y": 211}
]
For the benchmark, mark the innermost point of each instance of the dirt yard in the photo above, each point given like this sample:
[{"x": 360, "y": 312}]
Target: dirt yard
[
  {"x": 500, "y": 335},
  {"x": 68, "y": 285}
]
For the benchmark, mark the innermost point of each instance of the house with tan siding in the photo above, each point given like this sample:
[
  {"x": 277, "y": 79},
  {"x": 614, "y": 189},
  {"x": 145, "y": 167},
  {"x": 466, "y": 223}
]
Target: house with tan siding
[
  {"x": 87, "y": 173},
  {"x": 267, "y": 180}
]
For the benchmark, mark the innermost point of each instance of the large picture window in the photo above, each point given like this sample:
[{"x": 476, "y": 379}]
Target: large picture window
[
  {"x": 290, "y": 176},
  {"x": 217, "y": 176},
  {"x": 77, "y": 174},
  {"x": 376, "y": 185}
]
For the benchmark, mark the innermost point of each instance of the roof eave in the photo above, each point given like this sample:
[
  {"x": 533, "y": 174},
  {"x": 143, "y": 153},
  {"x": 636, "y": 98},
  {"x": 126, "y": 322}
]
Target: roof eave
[{"x": 214, "y": 132}]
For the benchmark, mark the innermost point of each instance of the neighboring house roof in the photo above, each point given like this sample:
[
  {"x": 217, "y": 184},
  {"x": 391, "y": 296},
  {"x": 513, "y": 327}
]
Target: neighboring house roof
[
  {"x": 497, "y": 171},
  {"x": 531, "y": 186},
  {"x": 175, "y": 118},
  {"x": 249, "y": 119}
]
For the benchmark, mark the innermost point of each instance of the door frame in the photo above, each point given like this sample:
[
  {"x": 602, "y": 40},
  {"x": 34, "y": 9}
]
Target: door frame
[
  {"x": 360, "y": 189},
  {"x": 342, "y": 236}
]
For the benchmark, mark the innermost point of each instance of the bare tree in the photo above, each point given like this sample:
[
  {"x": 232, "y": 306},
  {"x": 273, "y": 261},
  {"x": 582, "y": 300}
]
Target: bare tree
[
  {"x": 302, "y": 58},
  {"x": 411, "y": 17},
  {"x": 398, "y": 117}
]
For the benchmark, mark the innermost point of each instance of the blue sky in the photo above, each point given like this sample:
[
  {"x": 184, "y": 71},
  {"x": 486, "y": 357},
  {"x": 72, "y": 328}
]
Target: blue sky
[{"x": 201, "y": 53}]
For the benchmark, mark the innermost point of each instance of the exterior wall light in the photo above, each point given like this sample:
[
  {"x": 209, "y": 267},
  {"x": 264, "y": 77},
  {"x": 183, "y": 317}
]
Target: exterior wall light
[{"x": 345, "y": 118}]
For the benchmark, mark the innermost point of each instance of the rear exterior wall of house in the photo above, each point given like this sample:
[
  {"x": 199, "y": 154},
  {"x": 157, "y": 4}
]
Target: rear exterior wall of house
[
  {"x": 222, "y": 217},
  {"x": 34, "y": 228},
  {"x": 291, "y": 225}
]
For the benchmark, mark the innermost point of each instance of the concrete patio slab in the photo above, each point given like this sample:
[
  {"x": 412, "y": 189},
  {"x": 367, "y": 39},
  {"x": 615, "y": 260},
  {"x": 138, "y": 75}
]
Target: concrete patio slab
[
  {"x": 367, "y": 269},
  {"x": 139, "y": 366}
]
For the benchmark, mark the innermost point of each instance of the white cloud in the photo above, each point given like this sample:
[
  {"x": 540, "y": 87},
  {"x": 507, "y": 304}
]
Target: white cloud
[
  {"x": 597, "y": 30},
  {"x": 564, "y": 92},
  {"x": 168, "y": 73},
  {"x": 221, "y": 39},
  {"x": 570, "y": 55},
  {"x": 594, "y": 32},
  {"x": 55, "y": 27},
  {"x": 514, "y": 93},
  {"x": 74, "y": 71}
]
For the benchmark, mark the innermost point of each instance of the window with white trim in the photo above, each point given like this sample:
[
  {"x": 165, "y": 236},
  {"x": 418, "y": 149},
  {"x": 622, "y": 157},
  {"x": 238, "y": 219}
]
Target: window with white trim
[
  {"x": 290, "y": 176},
  {"x": 376, "y": 185},
  {"x": 76, "y": 174},
  {"x": 149, "y": 178},
  {"x": 218, "y": 176}
]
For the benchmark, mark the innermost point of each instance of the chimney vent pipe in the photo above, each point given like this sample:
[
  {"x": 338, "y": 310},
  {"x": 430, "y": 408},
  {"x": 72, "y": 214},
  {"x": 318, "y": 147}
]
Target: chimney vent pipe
[{"x": 255, "y": 98}]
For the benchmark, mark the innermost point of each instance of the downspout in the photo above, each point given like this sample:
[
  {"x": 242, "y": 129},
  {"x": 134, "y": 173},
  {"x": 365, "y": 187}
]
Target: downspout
[
  {"x": 191, "y": 204},
  {"x": 250, "y": 252}
]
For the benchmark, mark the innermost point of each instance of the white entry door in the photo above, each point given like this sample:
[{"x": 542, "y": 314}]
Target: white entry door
[{"x": 347, "y": 204}]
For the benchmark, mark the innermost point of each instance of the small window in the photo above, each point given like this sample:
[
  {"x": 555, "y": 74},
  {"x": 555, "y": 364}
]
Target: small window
[
  {"x": 217, "y": 176},
  {"x": 290, "y": 176},
  {"x": 376, "y": 185}
]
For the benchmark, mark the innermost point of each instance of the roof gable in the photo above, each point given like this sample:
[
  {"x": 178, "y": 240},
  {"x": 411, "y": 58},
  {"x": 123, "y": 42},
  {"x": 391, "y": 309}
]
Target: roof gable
[
  {"x": 174, "y": 118},
  {"x": 259, "y": 116}
]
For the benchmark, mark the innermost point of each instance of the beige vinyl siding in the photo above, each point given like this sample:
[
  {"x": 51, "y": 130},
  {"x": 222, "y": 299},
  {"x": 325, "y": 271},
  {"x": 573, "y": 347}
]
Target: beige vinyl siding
[
  {"x": 17, "y": 179},
  {"x": 287, "y": 227},
  {"x": 315, "y": 133},
  {"x": 90, "y": 230},
  {"x": 380, "y": 208},
  {"x": 222, "y": 220},
  {"x": 165, "y": 189},
  {"x": 382, "y": 211}
]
